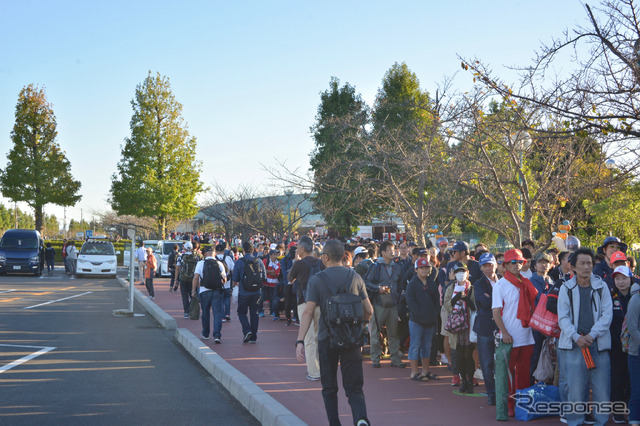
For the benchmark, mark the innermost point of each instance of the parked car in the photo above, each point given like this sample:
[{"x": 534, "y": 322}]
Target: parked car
[
  {"x": 97, "y": 257},
  {"x": 21, "y": 251},
  {"x": 162, "y": 252}
]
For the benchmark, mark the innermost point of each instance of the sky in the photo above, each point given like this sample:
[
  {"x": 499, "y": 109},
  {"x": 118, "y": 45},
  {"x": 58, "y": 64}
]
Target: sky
[{"x": 247, "y": 73}]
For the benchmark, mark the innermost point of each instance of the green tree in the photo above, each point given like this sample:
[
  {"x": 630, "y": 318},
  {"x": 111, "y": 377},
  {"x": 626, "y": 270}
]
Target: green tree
[
  {"x": 158, "y": 175},
  {"x": 335, "y": 132},
  {"x": 37, "y": 171}
]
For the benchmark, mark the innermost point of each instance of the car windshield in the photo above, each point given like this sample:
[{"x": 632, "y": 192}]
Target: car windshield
[
  {"x": 167, "y": 248},
  {"x": 18, "y": 243},
  {"x": 97, "y": 248}
]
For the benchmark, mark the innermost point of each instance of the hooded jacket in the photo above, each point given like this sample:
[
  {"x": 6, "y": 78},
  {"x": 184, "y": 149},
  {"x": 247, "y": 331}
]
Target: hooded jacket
[{"x": 601, "y": 306}]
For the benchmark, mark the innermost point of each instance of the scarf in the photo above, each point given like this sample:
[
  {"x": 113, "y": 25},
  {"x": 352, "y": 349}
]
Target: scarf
[{"x": 528, "y": 293}]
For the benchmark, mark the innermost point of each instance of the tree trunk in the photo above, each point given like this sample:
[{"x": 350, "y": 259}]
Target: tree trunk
[
  {"x": 39, "y": 219},
  {"x": 420, "y": 234},
  {"x": 162, "y": 227}
]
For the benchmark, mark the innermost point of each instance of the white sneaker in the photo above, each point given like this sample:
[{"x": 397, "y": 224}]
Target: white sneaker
[
  {"x": 444, "y": 359},
  {"x": 478, "y": 375}
]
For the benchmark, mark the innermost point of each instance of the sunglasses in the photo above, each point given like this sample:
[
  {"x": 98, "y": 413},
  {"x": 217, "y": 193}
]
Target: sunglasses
[
  {"x": 513, "y": 262},
  {"x": 500, "y": 262}
]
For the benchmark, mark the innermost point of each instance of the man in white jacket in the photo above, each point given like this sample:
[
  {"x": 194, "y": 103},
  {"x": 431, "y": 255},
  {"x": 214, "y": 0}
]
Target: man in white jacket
[{"x": 585, "y": 312}]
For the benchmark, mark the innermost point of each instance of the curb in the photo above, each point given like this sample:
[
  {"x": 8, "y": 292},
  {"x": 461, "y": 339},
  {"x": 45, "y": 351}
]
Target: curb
[{"x": 267, "y": 410}]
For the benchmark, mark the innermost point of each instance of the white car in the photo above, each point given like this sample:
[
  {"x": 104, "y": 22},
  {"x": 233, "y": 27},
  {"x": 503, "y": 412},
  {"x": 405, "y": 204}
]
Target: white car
[{"x": 97, "y": 257}]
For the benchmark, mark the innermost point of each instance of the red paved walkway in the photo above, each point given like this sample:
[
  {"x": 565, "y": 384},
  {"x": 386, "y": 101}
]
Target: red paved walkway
[{"x": 392, "y": 399}]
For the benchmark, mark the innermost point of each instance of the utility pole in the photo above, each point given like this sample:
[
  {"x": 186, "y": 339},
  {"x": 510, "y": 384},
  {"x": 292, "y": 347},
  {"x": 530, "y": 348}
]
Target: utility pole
[
  {"x": 15, "y": 213},
  {"x": 81, "y": 226},
  {"x": 64, "y": 222}
]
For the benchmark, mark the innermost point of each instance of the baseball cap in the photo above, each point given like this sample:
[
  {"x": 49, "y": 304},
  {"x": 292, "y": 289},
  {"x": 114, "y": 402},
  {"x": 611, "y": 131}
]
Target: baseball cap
[
  {"x": 487, "y": 258},
  {"x": 292, "y": 244},
  {"x": 460, "y": 246},
  {"x": 624, "y": 270},
  {"x": 459, "y": 266},
  {"x": 442, "y": 241},
  {"x": 359, "y": 250},
  {"x": 188, "y": 245},
  {"x": 422, "y": 262},
  {"x": 208, "y": 249},
  {"x": 618, "y": 256},
  {"x": 544, "y": 256},
  {"x": 272, "y": 246}
]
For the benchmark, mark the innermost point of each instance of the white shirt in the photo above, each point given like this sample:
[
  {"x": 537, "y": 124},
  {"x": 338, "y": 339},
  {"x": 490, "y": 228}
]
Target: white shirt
[
  {"x": 507, "y": 296},
  {"x": 200, "y": 267},
  {"x": 230, "y": 264},
  {"x": 141, "y": 254},
  {"x": 72, "y": 252}
]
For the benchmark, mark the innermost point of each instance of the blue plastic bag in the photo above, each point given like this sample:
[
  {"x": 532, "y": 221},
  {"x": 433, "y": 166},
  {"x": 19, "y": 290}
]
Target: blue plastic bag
[{"x": 539, "y": 400}]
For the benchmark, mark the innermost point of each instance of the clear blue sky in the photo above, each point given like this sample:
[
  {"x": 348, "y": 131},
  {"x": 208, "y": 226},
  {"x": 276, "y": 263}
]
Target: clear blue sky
[{"x": 248, "y": 73}]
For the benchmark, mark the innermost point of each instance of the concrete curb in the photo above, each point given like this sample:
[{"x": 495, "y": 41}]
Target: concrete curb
[
  {"x": 163, "y": 318},
  {"x": 261, "y": 405}
]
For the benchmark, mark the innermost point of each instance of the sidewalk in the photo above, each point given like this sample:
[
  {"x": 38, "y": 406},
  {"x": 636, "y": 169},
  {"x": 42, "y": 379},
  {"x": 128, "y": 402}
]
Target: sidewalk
[{"x": 391, "y": 397}]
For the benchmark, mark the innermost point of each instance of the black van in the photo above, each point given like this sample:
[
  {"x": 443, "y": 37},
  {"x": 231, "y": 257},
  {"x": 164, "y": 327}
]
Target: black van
[{"x": 21, "y": 251}]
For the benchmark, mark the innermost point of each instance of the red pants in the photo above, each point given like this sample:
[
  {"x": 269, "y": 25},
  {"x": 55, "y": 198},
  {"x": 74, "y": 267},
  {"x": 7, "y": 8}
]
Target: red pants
[{"x": 519, "y": 365}]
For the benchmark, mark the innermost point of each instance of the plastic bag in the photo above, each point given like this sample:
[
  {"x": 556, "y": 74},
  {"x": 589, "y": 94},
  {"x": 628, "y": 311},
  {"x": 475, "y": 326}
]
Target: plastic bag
[
  {"x": 194, "y": 308},
  {"x": 527, "y": 399},
  {"x": 473, "y": 337},
  {"x": 234, "y": 294},
  {"x": 545, "y": 370}
]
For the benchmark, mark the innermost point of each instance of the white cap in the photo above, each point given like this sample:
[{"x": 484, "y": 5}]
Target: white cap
[
  {"x": 272, "y": 246},
  {"x": 188, "y": 245},
  {"x": 359, "y": 250}
]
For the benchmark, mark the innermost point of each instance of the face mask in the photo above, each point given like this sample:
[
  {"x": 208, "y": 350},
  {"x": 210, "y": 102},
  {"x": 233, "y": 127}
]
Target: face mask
[{"x": 461, "y": 276}]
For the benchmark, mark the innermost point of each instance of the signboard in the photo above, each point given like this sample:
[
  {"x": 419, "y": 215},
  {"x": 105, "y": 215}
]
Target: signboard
[
  {"x": 88, "y": 233},
  {"x": 365, "y": 232},
  {"x": 79, "y": 234}
]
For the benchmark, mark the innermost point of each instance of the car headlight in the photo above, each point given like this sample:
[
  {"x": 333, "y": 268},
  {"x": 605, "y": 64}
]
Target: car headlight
[
  {"x": 2, "y": 258},
  {"x": 111, "y": 262},
  {"x": 34, "y": 258},
  {"x": 81, "y": 260}
]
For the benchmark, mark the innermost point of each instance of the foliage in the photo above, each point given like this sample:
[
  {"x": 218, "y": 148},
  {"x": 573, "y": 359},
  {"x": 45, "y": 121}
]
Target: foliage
[
  {"x": 158, "y": 175},
  {"x": 37, "y": 170}
]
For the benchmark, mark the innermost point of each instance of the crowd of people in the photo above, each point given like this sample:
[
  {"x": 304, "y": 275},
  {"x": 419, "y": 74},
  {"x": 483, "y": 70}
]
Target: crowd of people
[{"x": 471, "y": 310}]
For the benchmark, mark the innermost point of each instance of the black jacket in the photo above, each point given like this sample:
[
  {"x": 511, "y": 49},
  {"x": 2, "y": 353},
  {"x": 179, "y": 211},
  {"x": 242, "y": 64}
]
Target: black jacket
[{"x": 422, "y": 301}]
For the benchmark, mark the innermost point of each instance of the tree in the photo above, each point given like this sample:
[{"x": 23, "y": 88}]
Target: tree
[
  {"x": 38, "y": 171},
  {"x": 341, "y": 207},
  {"x": 158, "y": 175}
]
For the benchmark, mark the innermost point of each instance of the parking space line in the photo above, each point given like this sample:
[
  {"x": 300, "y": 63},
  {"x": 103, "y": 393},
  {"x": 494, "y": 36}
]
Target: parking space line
[
  {"x": 43, "y": 350},
  {"x": 59, "y": 300},
  {"x": 7, "y": 291}
]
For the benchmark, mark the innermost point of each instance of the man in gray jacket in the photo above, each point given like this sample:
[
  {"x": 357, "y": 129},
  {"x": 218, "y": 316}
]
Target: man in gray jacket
[{"x": 585, "y": 311}]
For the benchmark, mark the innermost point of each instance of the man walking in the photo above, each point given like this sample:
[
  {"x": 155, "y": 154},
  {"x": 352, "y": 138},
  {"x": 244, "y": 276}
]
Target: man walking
[
  {"x": 333, "y": 280},
  {"x": 382, "y": 283},
  {"x": 248, "y": 275},
  {"x": 228, "y": 262},
  {"x": 300, "y": 273},
  {"x": 141, "y": 257},
  {"x": 208, "y": 280},
  {"x": 185, "y": 270},
  {"x": 585, "y": 311}
]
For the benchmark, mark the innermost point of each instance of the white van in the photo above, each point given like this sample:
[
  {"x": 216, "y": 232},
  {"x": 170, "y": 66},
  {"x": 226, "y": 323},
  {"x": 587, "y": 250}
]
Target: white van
[
  {"x": 97, "y": 257},
  {"x": 162, "y": 252}
]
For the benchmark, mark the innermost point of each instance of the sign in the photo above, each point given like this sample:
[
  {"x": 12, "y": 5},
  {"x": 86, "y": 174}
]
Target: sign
[
  {"x": 365, "y": 231},
  {"x": 79, "y": 234},
  {"x": 88, "y": 233}
]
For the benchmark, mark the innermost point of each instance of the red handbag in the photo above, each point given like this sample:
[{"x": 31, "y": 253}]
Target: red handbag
[{"x": 544, "y": 321}]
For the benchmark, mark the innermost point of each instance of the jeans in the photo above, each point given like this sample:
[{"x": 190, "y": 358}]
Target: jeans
[
  {"x": 352, "y": 378},
  {"x": 227, "y": 301},
  {"x": 66, "y": 264},
  {"x": 421, "y": 337},
  {"x": 578, "y": 379},
  {"x": 49, "y": 265},
  {"x": 211, "y": 300},
  {"x": 141, "y": 266},
  {"x": 173, "y": 279},
  {"x": 619, "y": 376},
  {"x": 250, "y": 304},
  {"x": 73, "y": 264},
  {"x": 381, "y": 317},
  {"x": 148, "y": 283},
  {"x": 486, "y": 351},
  {"x": 633, "y": 362},
  {"x": 185, "y": 292},
  {"x": 267, "y": 296}
]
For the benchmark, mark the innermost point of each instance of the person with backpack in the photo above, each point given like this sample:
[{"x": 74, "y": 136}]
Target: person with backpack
[
  {"x": 208, "y": 280},
  {"x": 248, "y": 275},
  {"x": 171, "y": 266},
  {"x": 289, "y": 296},
  {"x": 585, "y": 311},
  {"x": 304, "y": 268},
  {"x": 185, "y": 270},
  {"x": 344, "y": 307},
  {"x": 228, "y": 263}
]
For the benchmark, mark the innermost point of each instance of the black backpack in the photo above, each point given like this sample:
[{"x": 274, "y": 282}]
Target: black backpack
[
  {"x": 252, "y": 275},
  {"x": 344, "y": 316},
  {"x": 211, "y": 276},
  {"x": 171, "y": 263},
  {"x": 188, "y": 266}
]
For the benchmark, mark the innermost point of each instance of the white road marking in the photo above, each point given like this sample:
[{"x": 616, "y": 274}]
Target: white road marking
[
  {"x": 43, "y": 350},
  {"x": 59, "y": 300},
  {"x": 7, "y": 291}
]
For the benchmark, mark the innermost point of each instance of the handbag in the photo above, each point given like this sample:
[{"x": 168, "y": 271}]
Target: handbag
[
  {"x": 544, "y": 321},
  {"x": 545, "y": 370},
  {"x": 194, "y": 308},
  {"x": 527, "y": 401},
  {"x": 456, "y": 321},
  {"x": 473, "y": 336}
]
